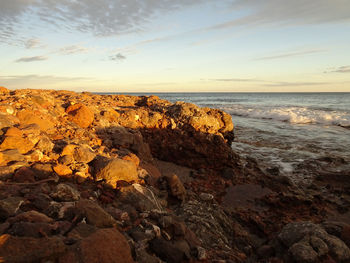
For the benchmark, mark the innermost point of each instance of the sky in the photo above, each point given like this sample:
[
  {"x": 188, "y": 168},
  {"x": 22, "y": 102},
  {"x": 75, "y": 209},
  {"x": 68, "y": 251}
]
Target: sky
[{"x": 176, "y": 45}]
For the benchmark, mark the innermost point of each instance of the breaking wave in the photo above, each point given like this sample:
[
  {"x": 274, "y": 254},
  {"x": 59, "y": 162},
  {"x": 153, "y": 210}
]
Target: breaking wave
[{"x": 294, "y": 115}]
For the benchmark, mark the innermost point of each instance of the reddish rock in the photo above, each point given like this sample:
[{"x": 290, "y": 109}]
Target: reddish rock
[
  {"x": 105, "y": 245},
  {"x": 80, "y": 115}
]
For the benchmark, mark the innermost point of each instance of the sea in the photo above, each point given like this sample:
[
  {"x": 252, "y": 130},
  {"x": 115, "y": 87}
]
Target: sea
[{"x": 292, "y": 134}]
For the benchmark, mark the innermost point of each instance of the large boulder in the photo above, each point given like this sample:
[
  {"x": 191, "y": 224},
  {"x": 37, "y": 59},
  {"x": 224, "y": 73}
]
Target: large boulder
[
  {"x": 80, "y": 115},
  {"x": 118, "y": 170}
]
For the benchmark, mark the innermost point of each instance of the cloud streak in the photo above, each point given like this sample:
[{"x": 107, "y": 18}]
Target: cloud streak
[
  {"x": 291, "y": 54},
  {"x": 342, "y": 69},
  {"x": 117, "y": 57},
  {"x": 285, "y": 12},
  {"x": 31, "y": 59}
]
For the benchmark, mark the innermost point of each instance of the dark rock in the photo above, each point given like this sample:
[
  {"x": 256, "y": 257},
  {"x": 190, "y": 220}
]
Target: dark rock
[
  {"x": 65, "y": 193},
  {"x": 9, "y": 207},
  {"x": 31, "y": 216},
  {"x": 167, "y": 251},
  {"x": 94, "y": 214},
  {"x": 28, "y": 249}
]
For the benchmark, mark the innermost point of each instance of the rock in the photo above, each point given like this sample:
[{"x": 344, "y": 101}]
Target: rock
[
  {"x": 7, "y": 121},
  {"x": 44, "y": 144},
  {"x": 9, "y": 207},
  {"x": 10, "y": 156},
  {"x": 68, "y": 149},
  {"x": 83, "y": 154},
  {"x": 319, "y": 246},
  {"x": 94, "y": 214},
  {"x": 167, "y": 251},
  {"x": 201, "y": 253},
  {"x": 105, "y": 245},
  {"x": 206, "y": 197},
  {"x": 176, "y": 187},
  {"x": 28, "y": 249},
  {"x": 293, "y": 232},
  {"x": 142, "y": 198},
  {"x": 337, "y": 248},
  {"x": 80, "y": 115},
  {"x": 65, "y": 193},
  {"x": 66, "y": 159},
  {"x": 62, "y": 170},
  {"x": 42, "y": 170},
  {"x": 4, "y": 90},
  {"x": 14, "y": 132},
  {"x": 23, "y": 145},
  {"x": 29, "y": 229},
  {"x": 29, "y": 117},
  {"x": 24, "y": 175},
  {"x": 31, "y": 216},
  {"x": 117, "y": 170},
  {"x": 303, "y": 252}
]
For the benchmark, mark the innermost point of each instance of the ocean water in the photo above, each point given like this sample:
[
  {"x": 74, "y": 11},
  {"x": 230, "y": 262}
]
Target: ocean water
[{"x": 296, "y": 134}]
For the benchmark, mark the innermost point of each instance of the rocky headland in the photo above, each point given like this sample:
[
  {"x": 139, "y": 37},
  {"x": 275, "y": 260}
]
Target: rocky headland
[{"x": 117, "y": 178}]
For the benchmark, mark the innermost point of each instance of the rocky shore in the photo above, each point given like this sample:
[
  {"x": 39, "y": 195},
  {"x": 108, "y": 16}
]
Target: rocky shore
[{"x": 116, "y": 178}]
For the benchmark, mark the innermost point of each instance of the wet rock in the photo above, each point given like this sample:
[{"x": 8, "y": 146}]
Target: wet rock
[
  {"x": 65, "y": 193},
  {"x": 117, "y": 170},
  {"x": 80, "y": 115},
  {"x": 9, "y": 207},
  {"x": 94, "y": 214},
  {"x": 28, "y": 249}
]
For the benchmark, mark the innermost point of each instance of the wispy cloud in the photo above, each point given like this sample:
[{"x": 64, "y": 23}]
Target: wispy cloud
[
  {"x": 31, "y": 59},
  {"x": 342, "y": 69},
  {"x": 32, "y": 43},
  {"x": 73, "y": 49},
  {"x": 235, "y": 80},
  {"x": 286, "y": 12},
  {"x": 294, "y": 84},
  {"x": 291, "y": 54},
  {"x": 117, "y": 57},
  {"x": 102, "y": 18}
]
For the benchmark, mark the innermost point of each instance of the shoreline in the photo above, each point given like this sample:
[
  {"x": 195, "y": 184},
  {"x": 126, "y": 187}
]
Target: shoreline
[{"x": 152, "y": 176}]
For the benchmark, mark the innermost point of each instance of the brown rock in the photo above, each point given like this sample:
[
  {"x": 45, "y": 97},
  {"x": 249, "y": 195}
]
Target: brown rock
[
  {"x": 117, "y": 170},
  {"x": 132, "y": 158},
  {"x": 65, "y": 193},
  {"x": 80, "y": 115},
  {"x": 42, "y": 170},
  {"x": 94, "y": 214},
  {"x": 44, "y": 144},
  {"x": 24, "y": 175},
  {"x": 4, "y": 90},
  {"x": 62, "y": 170},
  {"x": 105, "y": 245},
  {"x": 177, "y": 189},
  {"x": 28, "y": 249},
  {"x": 9, "y": 206},
  {"x": 31, "y": 216},
  {"x": 23, "y": 145},
  {"x": 83, "y": 154},
  {"x": 28, "y": 117}
]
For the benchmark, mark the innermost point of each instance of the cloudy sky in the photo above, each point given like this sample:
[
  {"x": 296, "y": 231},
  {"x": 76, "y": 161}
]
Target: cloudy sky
[{"x": 175, "y": 45}]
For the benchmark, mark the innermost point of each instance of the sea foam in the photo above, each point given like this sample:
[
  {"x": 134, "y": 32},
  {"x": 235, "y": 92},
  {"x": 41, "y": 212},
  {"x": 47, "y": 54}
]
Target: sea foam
[{"x": 294, "y": 115}]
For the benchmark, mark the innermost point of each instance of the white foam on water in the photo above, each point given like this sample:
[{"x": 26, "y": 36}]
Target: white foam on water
[{"x": 294, "y": 115}]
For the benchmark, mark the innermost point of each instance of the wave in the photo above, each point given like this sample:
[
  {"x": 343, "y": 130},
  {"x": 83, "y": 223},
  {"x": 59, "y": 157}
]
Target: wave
[{"x": 292, "y": 114}]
